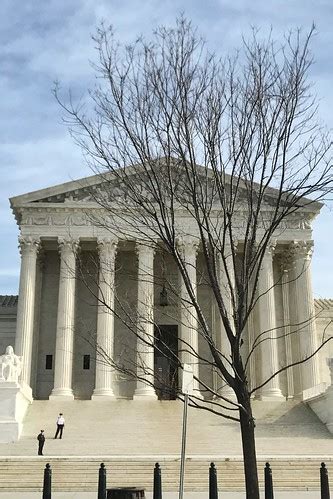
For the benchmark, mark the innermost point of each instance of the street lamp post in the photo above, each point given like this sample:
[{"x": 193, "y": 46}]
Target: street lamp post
[{"x": 187, "y": 389}]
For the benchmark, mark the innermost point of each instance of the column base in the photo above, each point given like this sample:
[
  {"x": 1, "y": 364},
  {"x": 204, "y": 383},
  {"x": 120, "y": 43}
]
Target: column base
[
  {"x": 197, "y": 394},
  {"x": 145, "y": 393},
  {"x": 271, "y": 394},
  {"x": 103, "y": 394},
  {"x": 27, "y": 390},
  {"x": 196, "y": 390},
  {"x": 61, "y": 394}
]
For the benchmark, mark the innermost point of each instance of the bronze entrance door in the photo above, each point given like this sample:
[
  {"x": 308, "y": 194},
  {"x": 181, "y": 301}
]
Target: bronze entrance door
[{"x": 165, "y": 361}]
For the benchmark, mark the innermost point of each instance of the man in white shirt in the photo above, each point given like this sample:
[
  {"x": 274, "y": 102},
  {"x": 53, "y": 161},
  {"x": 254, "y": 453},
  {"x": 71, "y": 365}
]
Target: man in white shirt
[{"x": 60, "y": 425}]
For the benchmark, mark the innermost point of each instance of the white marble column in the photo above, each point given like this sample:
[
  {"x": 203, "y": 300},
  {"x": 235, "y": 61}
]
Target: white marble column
[
  {"x": 252, "y": 371},
  {"x": 252, "y": 365},
  {"x": 285, "y": 279},
  {"x": 189, "y": 339},
  {"x": 226, "y": 286},
  {"x": 105, "y": 319},
  {"x": 305, "y": 313},
  {"x": 145, "y": 323},
  {"x": 29, "y": 246},
  {"x": 38, "y": 299},
  {"x": 268, "y": 338},
  {"x": 65, "y": 320}
]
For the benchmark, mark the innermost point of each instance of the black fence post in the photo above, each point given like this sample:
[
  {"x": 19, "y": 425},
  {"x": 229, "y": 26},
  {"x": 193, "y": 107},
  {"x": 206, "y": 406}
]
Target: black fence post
[
  {"x": 157, "y": 494},
  {"x": 324, "y": 484},
  {"x": 269, "y": 494},
  {"x": 47, "y": 482},
  {"x": 101, "y": 482},
  {"x": 213, "y": 493}
]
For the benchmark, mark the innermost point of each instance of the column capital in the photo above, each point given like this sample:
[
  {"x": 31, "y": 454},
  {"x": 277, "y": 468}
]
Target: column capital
[
  {"x": 187, "y": 245},
  {"x": 301, "y": 250},
  {"x": 268, "y": 256},
  {"x": 145, "y": 247},
  {"x": 29, "y": 244},
  {"x": 107, "y": 246},
  {"x": 270, "y": 249},
  {"x": 68, "y": 245}
]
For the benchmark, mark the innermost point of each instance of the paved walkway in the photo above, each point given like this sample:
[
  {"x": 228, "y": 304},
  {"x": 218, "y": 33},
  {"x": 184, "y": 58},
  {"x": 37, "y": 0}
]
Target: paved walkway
[{"x": 167, "y": 495}]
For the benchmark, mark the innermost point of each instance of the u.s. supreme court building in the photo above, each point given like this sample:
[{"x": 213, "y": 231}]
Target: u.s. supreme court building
[{"x": 56, "y": 324}]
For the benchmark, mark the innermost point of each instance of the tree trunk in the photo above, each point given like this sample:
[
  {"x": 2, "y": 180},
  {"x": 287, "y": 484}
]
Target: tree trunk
[{"x": 249, "y": 448}]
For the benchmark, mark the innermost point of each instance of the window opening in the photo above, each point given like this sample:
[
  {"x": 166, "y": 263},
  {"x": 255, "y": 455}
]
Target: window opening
[{"x": 86, "y": 362}]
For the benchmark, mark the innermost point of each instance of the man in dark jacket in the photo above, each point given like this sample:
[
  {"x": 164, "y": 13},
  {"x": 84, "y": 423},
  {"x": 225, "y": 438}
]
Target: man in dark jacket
[{"x": 41, "y": 442}]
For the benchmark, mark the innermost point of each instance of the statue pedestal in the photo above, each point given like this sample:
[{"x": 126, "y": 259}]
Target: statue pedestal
[
  {"x": 320, "y": 399},
  {"x": 14, "y": 402}
]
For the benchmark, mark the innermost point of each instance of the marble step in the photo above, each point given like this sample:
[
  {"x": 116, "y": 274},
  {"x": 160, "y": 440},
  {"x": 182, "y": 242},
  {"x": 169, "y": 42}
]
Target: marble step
[
  {"x": 125, "y": 427},
  {"x": 81, "y": 474}
]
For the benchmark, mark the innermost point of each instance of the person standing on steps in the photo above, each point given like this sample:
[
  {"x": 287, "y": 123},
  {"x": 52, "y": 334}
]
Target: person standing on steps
[
  {"x": 41, "y": 442},
  {"x": 60, "y": 425}
]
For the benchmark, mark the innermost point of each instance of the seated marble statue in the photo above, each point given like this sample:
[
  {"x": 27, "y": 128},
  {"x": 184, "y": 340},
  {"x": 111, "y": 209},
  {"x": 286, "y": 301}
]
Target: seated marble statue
[{"x": 10, "y": 365}]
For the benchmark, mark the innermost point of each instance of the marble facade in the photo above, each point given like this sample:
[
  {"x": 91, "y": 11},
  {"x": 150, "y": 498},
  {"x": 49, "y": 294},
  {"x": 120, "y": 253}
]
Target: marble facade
[{"x": 59, "y": 323}]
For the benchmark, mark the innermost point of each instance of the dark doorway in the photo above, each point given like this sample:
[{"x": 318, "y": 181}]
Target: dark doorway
[{"x": 165, "y": 361}]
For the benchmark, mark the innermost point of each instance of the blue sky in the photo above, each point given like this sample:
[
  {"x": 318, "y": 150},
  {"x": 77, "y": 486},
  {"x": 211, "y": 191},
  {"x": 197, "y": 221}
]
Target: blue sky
[{"x": 43, "y": 41}]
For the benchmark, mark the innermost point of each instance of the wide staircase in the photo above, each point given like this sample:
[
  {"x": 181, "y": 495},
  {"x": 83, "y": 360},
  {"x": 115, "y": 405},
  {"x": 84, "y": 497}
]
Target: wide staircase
[
  {"x": 81, "y": 474},
  {"x": 130, "y": 436}
]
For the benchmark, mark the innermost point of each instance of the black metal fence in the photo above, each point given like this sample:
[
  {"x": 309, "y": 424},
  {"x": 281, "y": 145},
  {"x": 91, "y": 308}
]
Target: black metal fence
[{"x": 134, "y": 493}]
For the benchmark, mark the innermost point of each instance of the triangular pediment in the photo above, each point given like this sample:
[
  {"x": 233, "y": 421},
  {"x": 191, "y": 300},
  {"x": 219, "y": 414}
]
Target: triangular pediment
[
  {"x": 74, "y": 190},
  {"x": 91, "y": 189}
]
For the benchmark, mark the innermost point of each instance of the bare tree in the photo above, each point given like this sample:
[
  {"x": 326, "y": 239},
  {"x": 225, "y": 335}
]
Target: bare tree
[{"x": 167, "y": 106}]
